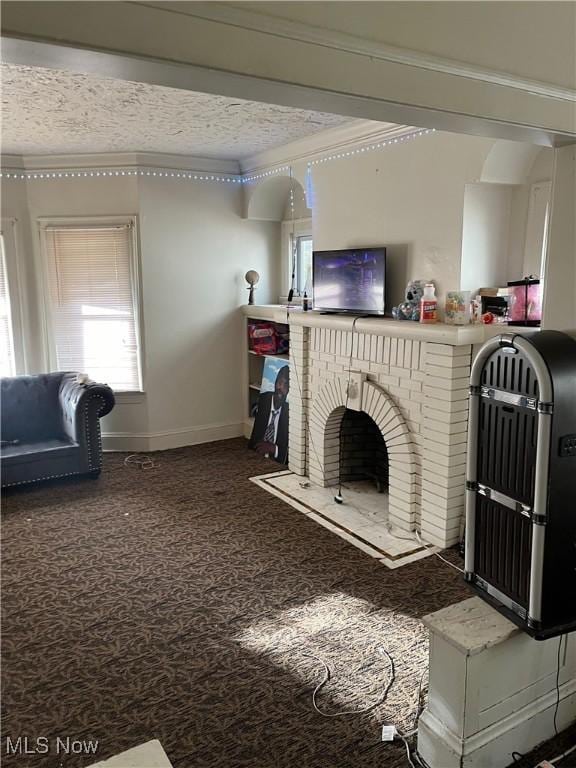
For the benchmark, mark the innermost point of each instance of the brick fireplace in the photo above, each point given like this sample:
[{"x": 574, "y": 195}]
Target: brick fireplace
[{"x": 407, "y": 383}]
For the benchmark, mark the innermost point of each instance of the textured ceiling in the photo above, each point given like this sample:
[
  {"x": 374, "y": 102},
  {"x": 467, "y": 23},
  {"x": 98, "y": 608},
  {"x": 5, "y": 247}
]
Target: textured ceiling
[{"x": 46, "y": 111}]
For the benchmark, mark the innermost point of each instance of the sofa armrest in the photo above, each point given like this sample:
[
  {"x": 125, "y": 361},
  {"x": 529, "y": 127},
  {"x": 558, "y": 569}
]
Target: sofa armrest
[{"x": 83, "y": 404}]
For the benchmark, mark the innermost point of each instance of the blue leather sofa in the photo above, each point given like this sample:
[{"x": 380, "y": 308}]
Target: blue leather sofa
[{"x": 50, "y": 427}]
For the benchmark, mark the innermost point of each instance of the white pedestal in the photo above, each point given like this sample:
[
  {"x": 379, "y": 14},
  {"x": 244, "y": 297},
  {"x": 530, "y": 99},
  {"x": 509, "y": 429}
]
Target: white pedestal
[{"x": 492, "y": 688}]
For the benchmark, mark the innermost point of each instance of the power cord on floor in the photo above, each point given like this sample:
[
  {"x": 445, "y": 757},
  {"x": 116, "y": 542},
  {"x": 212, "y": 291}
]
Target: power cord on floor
[
  {"x": 328, "y": 675},
  {"x": 140, "y": 461},
  {"x": 558, "y": 683},
  {"x": 438, "y": 555},
  {"x": 392, "y": 731}
]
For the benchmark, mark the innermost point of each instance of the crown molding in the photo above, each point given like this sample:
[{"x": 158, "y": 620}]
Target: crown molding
[
  {"x": 15, "y": 162},
  {"x": 345, "y": 138},
  {"x": 223, "y": 13},
  {"x": 113, "y": 160}
]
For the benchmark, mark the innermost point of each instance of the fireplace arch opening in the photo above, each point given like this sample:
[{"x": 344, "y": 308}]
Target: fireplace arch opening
[{"x": 362, "y": 452}]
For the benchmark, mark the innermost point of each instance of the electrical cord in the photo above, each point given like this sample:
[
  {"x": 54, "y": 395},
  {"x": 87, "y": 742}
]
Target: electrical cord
[
  {"x": 338, "y": 498},
  {"x": 327, "y": 676},
  {"x": 563, "y": 755},
  {"x": 293, "y": 241},
  {"x": 137, "y": 460},
  {"x": 456, "y": 567},
  {"x": 558, "y": 684}
]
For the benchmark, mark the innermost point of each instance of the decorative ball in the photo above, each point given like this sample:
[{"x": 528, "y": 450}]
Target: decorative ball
[{"x": 252, "y": 277}]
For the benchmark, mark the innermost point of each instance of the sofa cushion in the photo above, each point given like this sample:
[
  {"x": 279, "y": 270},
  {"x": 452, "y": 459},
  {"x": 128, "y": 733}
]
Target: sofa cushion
[
  {"x": 40, "y": 451},
  {"x": 30, "y": 409}
]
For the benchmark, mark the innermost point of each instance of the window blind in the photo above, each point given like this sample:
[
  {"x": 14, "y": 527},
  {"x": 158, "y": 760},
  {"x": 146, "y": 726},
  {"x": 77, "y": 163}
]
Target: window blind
[
  {"x": 92, "y": 294},
  {"x": 7, "y": 361}
]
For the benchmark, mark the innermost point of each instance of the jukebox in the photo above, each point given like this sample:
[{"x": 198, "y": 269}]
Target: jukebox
[{"x": 520, "y": 549}]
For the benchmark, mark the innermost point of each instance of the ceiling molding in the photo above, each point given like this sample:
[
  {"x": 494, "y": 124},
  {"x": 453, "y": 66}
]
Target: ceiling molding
[
  {"x": 113, "y": 160},
  {"x": 250, "y": 20},
  {"x": 362, "y": 133}
]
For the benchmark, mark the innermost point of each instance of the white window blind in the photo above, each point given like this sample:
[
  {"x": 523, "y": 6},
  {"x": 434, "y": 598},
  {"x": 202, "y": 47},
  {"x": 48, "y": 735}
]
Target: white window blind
[
  {"x": 7, "y": 360},
  {"x": 92, "y": 290}
]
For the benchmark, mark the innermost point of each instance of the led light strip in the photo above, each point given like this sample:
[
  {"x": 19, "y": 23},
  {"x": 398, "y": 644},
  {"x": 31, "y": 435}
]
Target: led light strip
[
  {"x": 371, "y": 147},
  {"x": 48, "y": 175},
  {"x": 17, "y": 175}
]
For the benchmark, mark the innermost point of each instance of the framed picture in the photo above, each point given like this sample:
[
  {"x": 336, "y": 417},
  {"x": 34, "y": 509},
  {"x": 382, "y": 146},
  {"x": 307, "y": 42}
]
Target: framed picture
[{"x": 270, "y": 432}]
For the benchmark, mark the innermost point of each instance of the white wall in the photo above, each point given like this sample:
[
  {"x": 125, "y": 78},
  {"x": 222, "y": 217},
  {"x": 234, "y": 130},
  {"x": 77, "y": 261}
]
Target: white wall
[
  {"x": 485, "y": 236},
  {"x": 540, "y": 170},
  {"x": 408, "y": 197},
  {"x": 559, "y": 310},
  {"x": 195, "y": 249}
]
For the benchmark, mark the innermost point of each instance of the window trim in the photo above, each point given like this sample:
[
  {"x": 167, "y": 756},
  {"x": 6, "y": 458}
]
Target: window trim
[
  {"x": 9, "y": 230},
  {"x": 298, "y": 228},
  {"x": 44, "y": 223}
]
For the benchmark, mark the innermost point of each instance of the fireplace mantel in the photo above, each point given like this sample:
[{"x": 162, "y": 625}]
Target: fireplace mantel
[{"x": 440, "y": 333}]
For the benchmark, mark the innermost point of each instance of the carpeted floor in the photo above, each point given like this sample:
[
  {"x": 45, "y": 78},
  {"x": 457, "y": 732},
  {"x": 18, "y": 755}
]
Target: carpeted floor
[{"x": 184, "y": 603}]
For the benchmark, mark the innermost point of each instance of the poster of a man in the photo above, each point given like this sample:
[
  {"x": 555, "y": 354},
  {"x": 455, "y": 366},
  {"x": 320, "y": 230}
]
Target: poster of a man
[{"x": 270, "y": 433}]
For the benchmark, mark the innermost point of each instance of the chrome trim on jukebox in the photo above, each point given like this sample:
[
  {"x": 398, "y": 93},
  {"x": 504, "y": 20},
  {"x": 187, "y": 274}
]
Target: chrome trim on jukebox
[{"x": 509, "y": 397}]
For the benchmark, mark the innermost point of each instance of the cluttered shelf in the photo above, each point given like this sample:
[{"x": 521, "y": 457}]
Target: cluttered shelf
[
  {"x": 281, "y": 356},
  {"x": 266, "y": 340}
]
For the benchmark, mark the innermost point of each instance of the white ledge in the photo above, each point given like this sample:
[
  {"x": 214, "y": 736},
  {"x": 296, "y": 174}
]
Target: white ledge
[
  {"x": 470, "y": 626},
  {"x": 441, "y": 333}
]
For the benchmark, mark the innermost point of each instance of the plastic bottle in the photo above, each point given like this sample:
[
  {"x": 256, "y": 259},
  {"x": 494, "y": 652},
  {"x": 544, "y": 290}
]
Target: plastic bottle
[{"x": 429, "y": 305}]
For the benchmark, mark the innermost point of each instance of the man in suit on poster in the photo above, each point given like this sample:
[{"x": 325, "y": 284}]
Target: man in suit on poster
[{"x": 270, "y": 433}]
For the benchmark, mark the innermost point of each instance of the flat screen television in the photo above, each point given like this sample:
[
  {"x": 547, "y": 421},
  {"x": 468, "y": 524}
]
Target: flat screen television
[{"x": 352, "y": 280}]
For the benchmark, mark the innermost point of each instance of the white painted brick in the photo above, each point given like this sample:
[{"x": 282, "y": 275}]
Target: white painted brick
[
  {"x": 441, "y": 492},
  {"x": 387, "y": 350},
  {"x": 415, "y": 362},
  {"x": 448, "y": 463},
  {"x": 446, "y": 406},
  {"x": 444, "y": 449},
  {"x": 446, "y": 394},
  {"x": 379, "y": 368},
  {"x": 431, "y": 501},
  {"x": 443, "y": 422},
  {"x": 386, "y": 380},
  {"x": 446, "y": 439},
  {"x": 379, "y": 357},
  {"x": 400, "y": 343},
  {"x": 399, "y": 494},
  {"x": 393, "y": 350},
  {"x": 431, "y": 477},
  {"x": 407, "y": 361},
  {"x": 449, "y": 350},
  {"x": 399, "y": 505},
  {"x": 452, "y": 385},
  {"x": 447, "y": 373},
  {"x": 403, "y": 373},
  {"x": 442, "y": 361},
  {"x": 412, "y": 385},
  {"x": 449, "y": 468}
]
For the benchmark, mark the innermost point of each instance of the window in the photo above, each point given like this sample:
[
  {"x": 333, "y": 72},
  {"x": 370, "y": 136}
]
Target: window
[
  {"x": 93, "y": 301},
  {"x": 7, "y": 358},
  {"x": 303, "y": 255}
]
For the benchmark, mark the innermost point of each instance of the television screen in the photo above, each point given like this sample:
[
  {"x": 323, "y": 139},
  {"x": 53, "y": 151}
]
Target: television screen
[{"x": 353, "y": 280}]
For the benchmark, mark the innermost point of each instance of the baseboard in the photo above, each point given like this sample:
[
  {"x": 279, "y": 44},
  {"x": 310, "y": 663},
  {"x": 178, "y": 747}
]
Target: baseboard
[
  {"x": 521, "y": 731},
  {"x": 142, "y": 442}
]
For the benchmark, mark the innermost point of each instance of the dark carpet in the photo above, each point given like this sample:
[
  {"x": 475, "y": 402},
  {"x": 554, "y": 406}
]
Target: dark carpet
[{"x": 186, "y": 604}]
